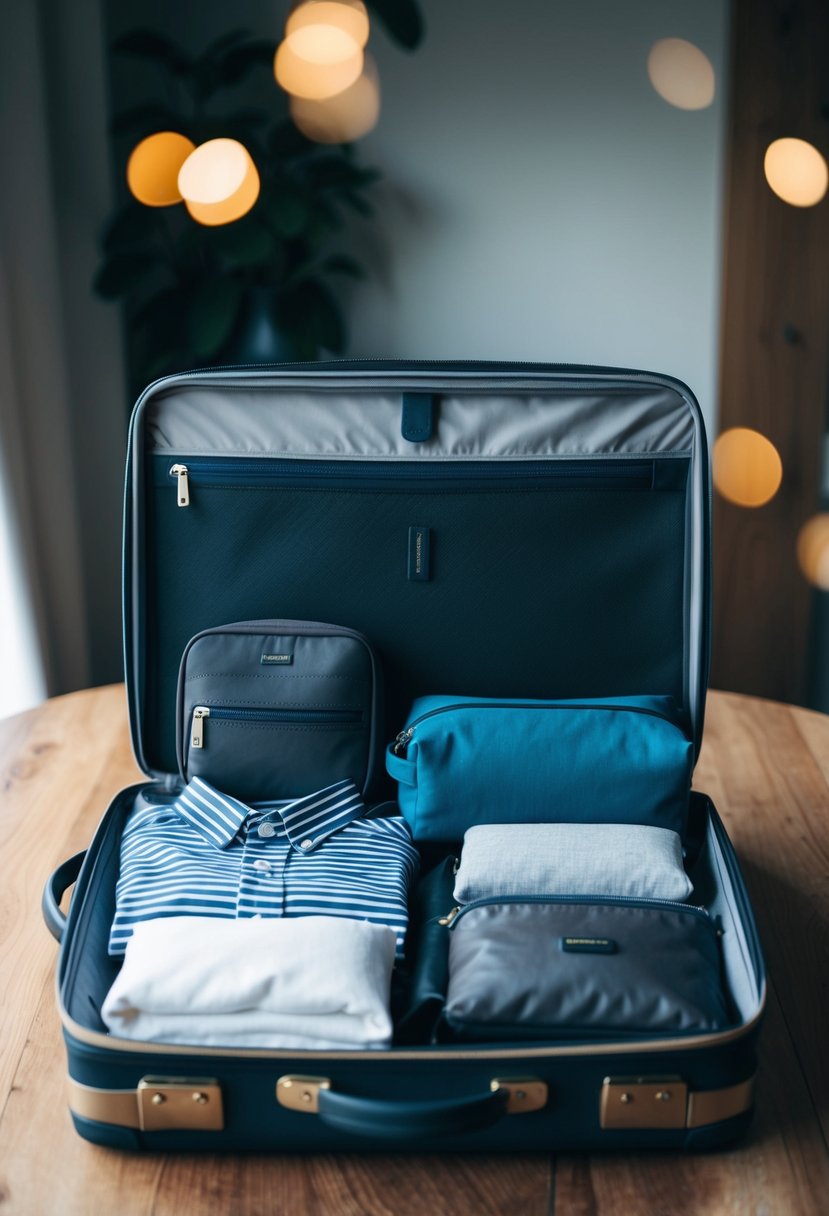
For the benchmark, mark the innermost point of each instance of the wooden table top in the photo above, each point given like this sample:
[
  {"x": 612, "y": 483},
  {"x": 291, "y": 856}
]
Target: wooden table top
[{"x": 767, "y": 768}]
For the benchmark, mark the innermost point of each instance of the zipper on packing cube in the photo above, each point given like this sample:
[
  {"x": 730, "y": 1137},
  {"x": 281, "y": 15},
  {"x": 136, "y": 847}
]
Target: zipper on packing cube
[
  {"x": 628, "y": 901},
  {"x": 201, "y": 712}
]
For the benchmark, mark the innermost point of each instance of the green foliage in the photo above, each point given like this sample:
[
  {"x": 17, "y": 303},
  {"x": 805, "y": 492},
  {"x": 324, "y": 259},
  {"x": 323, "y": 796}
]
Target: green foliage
[{"x": 185, "y": 285}]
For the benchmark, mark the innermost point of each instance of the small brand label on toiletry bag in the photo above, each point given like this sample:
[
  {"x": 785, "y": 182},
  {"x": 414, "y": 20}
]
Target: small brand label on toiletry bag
[
  {"x": 588, "y": 945},
  {"x": 277, "y": 660}
]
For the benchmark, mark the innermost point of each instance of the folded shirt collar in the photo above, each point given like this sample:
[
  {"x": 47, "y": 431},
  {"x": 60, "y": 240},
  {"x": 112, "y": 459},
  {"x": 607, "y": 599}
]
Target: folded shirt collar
[{"x": 307, "y": 821}]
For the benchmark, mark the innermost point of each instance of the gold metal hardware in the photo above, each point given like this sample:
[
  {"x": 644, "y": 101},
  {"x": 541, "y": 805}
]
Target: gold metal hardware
[
  {"x": 643, "y": 1102},
  {"x": 179, "y": 471},
  {"x": 301, "y": 1093},
  {"x": 194, "y": 1103},
  {"x": 181, "y": 1103},
  {"x": 447, "y": 920},
  {"x": 666, "y": 1102},
  {"x": 525, "y": 1093}
]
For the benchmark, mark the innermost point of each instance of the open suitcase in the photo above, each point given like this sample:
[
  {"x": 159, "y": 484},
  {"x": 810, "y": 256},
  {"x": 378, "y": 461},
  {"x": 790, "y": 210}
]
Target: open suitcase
[{"x": 564, "y": 514}]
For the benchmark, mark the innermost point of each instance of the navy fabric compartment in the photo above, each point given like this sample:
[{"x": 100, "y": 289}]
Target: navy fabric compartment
[
  {"x": 534, "y": 581},
  {"x": 461, "y": 762}
]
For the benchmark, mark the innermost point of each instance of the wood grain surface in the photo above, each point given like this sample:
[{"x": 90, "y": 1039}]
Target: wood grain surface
[{"x": 767, "y": 768}]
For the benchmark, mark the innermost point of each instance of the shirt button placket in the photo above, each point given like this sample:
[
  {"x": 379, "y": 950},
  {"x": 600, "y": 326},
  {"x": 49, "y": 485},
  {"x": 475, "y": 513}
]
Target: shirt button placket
[{"x": 255, "y": 866}]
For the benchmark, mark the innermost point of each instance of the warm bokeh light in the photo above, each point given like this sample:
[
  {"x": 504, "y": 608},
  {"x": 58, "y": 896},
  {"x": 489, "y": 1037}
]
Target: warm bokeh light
[
  {"x": 341, "y": 119},
  {"x": 219, "y": 182},
  {"x": 322, "y": 44},
  {"x": 348, "y": 16},
  {"x": 681, "y": 74},
  {"x": 213, "y": 171},
  {"x": 796, "y": 172},
  {"x": 813, "y": 550},
  {"x": 153, "y": 168},
  {"x": 229, "y": 209},
  {"x": 315, "y": 81},
  {"x": 747, "y": 467}
]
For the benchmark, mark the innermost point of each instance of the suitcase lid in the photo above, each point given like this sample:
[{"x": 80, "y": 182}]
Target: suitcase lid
[{"x": 566, "y": 527}]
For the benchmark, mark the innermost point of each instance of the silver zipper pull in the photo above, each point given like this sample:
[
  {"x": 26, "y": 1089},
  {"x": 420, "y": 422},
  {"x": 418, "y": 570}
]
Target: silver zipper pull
[
  {"x": 447, "y": 920},
  {"x": 183, "y": 489},
  {"x": 402, "y": 741},
  {"x": 197, "y": 733}
]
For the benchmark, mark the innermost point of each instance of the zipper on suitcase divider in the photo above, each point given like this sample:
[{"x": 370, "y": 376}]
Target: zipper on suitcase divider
[
  {"x": 201, "y": 712},
  {"x": 276, "y": 473},
  {"x": 630, "y": 901},
  {"x": 181, "y": 473},
  {"x": 404, "y": 738}
]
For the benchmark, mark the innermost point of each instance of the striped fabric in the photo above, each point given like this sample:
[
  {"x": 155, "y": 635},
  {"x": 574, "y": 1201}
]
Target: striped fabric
[{"x": 208, "y": 854}]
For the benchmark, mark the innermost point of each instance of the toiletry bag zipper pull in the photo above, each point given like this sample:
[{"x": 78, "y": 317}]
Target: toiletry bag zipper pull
[
  {"x": 402, "y": 741},
  {"x": 197, "y": 734}
]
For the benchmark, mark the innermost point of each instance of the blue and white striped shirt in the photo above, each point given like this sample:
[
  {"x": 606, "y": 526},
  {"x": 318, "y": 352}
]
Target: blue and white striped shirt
[{"x": 208, "y": 854}]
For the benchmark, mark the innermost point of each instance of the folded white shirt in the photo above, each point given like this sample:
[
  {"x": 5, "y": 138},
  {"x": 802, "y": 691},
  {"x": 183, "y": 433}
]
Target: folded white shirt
[
  {"x": 308, "y": 982},
  {"x": 607, "y": 859}
]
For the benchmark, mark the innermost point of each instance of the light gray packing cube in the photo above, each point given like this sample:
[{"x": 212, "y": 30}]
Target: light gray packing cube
[{"x": 611, "y": 859}]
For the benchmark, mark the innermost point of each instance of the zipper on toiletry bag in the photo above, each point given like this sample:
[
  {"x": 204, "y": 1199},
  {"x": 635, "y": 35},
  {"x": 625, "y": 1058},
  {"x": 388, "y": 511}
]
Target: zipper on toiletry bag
[{"x": 404, "y": 738}]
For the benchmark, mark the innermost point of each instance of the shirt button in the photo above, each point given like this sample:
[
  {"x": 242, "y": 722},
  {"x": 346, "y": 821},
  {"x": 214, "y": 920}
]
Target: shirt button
[
  {"x": 267, "y": 829},
  {"x": 306, "y": 844},
  {"x": 261, "y": 864}
]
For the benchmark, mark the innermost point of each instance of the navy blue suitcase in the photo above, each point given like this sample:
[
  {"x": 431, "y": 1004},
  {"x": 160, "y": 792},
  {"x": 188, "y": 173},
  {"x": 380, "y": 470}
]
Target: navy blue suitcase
[{"x": 568, "y": 510}]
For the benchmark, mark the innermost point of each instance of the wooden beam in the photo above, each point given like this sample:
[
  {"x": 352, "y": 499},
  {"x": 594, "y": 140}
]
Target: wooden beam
[{"x": 774, "y": 358}]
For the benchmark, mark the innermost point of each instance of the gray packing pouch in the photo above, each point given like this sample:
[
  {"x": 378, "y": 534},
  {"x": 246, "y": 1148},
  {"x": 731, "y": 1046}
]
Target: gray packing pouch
[
  {"x": 278, "y": 708},
  {"x": 572, "y": 969}
]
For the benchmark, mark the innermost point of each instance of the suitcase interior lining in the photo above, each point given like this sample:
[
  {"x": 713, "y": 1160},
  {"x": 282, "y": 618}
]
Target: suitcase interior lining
[
  {"x": 540, "y": 591},
  {"x": 87, "y": 971},
  {"x": 542, "y": 604},
  {"x": 246, "y": 418}
]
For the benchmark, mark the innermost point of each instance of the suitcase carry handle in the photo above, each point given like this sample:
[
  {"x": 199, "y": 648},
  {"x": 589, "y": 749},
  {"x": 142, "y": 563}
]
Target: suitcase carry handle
[
  {"x": 382, "y": 1119},
  {"x": 57, "y": 884},
  {"x": 385, "y": 1120}
]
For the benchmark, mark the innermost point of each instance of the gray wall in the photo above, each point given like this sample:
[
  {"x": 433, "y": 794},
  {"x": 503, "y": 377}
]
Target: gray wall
[
  {"x": 544, "y": 202},
  {"x": 541, "y": 201}
]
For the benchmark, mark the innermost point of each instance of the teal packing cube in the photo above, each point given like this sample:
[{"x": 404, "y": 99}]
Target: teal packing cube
[{"x": 461, "y": 761}]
